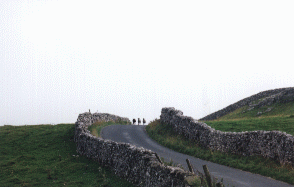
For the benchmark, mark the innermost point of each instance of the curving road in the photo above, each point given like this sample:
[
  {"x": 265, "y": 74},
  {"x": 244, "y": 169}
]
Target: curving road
[{"x": 136, "y": 135}]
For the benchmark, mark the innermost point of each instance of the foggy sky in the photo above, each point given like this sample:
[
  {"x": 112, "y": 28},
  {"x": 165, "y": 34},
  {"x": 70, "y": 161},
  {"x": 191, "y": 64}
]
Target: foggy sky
[{"x": 59, "y": 58}]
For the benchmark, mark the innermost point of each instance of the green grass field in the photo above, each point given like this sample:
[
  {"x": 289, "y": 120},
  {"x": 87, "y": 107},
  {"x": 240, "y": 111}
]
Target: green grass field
[
  {"x": 45, "y": 155},
  {"x": 163, "y": 134},
  {"x": 278, "y": 123}
]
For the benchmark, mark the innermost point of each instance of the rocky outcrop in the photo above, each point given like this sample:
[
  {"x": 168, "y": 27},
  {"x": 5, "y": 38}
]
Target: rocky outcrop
[
  {"x": 137, "y": 165},
  {"x": 270, "y": 144},
  {"x": 266, "y": 98}
]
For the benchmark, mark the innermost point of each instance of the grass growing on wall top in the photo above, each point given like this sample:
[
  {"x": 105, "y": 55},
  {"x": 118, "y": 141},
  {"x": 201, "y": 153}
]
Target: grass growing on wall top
[
  {"x": 96, "y": 127},
  {"x": 45, "y": 155},
  {"x": 163, "y": 134}
]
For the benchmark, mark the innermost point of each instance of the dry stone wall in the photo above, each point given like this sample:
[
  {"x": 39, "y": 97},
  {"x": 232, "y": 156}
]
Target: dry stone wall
[
  {"x": 270, "y": 144},
  {"x": 269, "y": 97},
  {"x": 107, "y": 117},
  {"x": 137, "y": 165}
]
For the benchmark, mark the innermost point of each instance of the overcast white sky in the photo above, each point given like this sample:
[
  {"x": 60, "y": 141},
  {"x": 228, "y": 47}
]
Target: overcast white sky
[{"x": 59, "y": 58}]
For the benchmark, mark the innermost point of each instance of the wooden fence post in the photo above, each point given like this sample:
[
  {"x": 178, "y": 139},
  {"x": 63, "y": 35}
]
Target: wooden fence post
[
  {"x": 219, "y": 184},
  {"x": 191, "y": 169},
  {"x": 207, "y": 176}
]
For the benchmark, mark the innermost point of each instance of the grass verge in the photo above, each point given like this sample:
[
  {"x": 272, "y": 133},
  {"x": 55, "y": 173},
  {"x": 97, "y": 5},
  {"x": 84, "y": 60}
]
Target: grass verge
[
  {"x": 45, "y": 155},
  {"x": 96, "y": 127},
  {"x": 163, "y": 134}
]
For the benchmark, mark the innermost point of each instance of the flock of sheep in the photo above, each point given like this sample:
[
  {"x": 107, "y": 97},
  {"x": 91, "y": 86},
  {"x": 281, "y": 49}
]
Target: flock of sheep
[{"x": 139, "y": 121}]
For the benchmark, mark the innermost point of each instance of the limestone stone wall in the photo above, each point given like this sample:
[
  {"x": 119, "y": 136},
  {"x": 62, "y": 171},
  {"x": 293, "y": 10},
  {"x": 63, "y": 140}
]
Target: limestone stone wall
[
  {"x": 269, "y": 97},
  {"x": 270, "y": 144},
  {"x": 137, "y": 165},
  {"x": 103, "y": 117}
]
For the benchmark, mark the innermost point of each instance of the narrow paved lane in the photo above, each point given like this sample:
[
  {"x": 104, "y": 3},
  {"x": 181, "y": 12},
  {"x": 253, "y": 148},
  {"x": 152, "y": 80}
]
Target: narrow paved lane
[{"x": 137, "y": 136}]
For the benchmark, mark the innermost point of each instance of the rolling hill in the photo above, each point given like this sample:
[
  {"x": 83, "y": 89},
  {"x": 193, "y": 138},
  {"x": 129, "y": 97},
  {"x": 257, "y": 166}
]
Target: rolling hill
[{"x": 277, "y": 102}]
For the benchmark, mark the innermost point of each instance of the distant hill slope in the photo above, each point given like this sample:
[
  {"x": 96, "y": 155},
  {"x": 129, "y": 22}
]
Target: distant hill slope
[{"x": 267, "y": 103}]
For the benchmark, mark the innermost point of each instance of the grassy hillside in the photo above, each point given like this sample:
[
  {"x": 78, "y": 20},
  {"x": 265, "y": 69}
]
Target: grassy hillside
[
  {"x": 274, "y": 110},
  {"x": 45, "y": 155},
  {"x": 267, "y": 103},
  {"x": 278, "y": 116}
]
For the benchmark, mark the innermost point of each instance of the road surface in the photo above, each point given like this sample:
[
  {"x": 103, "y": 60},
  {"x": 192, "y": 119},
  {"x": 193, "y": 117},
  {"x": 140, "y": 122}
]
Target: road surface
[{"x": 136, "y": 135}]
